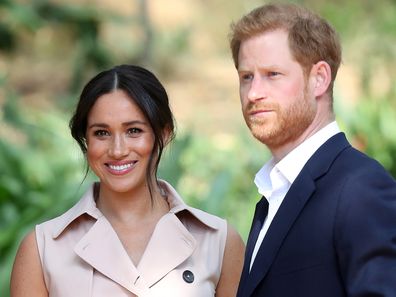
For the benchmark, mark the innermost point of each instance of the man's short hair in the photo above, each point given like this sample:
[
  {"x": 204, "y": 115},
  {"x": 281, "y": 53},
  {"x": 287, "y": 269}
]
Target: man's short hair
[{"x": 311, "y": 38}]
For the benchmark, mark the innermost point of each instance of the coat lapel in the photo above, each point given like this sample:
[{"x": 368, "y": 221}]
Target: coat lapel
[
  {"x": 296, "y": 198},
  {"x": 170, "y": 245},
  {"x": 102, "y": 249}
]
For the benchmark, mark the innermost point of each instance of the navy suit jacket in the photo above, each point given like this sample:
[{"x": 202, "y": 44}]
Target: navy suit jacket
[{"x": 334, "y": 234}]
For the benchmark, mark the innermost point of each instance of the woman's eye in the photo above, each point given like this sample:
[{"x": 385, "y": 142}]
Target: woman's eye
[
  {"x": 101, "y": 133},
  {"x": 134, "y": 131}
]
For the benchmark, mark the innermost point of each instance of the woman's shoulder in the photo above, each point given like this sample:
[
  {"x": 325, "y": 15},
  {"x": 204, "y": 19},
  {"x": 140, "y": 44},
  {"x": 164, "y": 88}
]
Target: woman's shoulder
[{"x": 27, "y": 275}]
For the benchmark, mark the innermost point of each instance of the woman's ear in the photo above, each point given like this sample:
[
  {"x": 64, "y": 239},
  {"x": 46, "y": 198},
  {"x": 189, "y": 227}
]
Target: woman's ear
[
  {"x": 167, "y": 135},
  {"x": 321, "y": 78}
]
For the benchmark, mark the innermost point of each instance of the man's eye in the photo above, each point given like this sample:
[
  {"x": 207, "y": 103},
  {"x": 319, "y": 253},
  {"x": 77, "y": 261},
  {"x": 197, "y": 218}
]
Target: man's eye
[
  {"x": 101, "y": 133},
  {"x": 273, "y": 73},
  {"x": 247, "y": 76}
]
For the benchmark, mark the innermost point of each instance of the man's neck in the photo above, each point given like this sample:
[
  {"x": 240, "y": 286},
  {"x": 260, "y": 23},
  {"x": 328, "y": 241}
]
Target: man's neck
[{"x": 281, "y": 151}]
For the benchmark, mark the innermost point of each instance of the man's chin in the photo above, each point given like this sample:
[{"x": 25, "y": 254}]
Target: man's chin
[{"x": 264, "y": 137}]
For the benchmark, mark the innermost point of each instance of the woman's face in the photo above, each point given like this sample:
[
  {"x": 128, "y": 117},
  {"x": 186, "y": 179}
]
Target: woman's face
[{"x": 119, "y": 143}]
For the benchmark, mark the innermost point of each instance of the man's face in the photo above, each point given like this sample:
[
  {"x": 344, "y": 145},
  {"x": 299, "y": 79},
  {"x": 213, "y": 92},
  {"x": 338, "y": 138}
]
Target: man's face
[{"x": 277, "y": 103}]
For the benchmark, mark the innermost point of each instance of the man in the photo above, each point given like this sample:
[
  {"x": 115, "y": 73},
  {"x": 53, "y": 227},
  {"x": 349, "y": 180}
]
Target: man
[{"x": 326, "y": 225}]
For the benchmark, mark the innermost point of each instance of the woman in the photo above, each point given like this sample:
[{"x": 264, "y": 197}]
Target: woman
[{"x": 130, "y": 234}]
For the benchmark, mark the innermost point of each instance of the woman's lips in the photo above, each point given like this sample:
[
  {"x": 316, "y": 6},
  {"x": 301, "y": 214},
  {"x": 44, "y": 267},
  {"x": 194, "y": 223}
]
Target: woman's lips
[{"x": 120, "y": 168}]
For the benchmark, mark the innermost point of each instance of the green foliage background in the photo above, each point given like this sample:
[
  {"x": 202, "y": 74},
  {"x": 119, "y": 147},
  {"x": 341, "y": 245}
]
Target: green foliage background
[{"x": 41, "y": 169}]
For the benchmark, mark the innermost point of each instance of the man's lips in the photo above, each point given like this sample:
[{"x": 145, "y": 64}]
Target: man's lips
[{"x": 259, "y": 111}]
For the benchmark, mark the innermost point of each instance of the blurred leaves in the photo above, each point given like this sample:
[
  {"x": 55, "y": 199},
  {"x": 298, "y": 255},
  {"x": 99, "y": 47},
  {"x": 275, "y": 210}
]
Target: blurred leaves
[
  {"x": 39, "y": 176},
  {"x": 7, "y": 39},
  {"x": 216, "y": 174},
  {"x": 371, "y": 126}
]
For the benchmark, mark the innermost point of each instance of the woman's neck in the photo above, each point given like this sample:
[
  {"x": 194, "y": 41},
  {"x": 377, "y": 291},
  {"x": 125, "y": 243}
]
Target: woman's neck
[{"x": 130, "y": 207}]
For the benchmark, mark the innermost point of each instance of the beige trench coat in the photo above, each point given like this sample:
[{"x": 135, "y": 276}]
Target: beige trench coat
[{"x": 81, "y": 254}]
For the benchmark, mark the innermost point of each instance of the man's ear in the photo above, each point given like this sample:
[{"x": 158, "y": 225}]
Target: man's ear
[{"x": 321, "y": 78}]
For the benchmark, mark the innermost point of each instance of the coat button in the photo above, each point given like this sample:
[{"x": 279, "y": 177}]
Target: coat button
[{"x": 188, "y": 276}]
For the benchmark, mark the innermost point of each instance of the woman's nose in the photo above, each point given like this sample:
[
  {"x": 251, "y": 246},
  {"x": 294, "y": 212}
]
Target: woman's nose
[{"x": 118, "y": 147}]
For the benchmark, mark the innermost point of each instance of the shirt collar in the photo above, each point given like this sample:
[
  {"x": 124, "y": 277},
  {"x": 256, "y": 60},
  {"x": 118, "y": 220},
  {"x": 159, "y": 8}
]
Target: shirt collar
[
  {"x": 87, "y": 205},
  {"x": 263, "y": 180},
  {"x": 291, "y": 165}
]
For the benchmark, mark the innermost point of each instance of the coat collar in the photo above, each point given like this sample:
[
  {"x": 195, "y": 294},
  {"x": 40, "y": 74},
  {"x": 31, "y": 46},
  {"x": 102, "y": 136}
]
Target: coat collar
[
  {"x": 87, "y": 205},
  {"x": 177, "y": 206},
  {"x": 300, "y": 192}
]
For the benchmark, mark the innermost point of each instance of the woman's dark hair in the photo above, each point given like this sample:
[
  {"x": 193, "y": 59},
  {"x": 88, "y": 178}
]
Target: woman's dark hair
[{"x": 145, "y": 90}]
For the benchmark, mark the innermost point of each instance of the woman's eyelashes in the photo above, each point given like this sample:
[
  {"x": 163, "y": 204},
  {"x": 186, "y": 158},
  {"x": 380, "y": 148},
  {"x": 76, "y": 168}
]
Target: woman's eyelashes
[
  {"x": 132, "y": 132},
  {"x": 100, "y": 133}
]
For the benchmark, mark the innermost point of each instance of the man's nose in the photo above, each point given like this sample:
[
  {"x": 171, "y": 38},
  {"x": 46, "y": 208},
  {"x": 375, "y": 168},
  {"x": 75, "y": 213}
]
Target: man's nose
[{"x": 257, "y": 89}]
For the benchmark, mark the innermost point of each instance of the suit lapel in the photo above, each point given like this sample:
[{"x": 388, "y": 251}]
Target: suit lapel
[
  {"x": 169, "y": 246},
  {"x": 288, "y": 212},
  {"x": 296, "y": 198}
]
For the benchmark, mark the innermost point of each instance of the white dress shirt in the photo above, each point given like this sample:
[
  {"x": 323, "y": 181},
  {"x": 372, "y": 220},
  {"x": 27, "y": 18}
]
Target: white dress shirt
[{"x": 274, "y": 180}]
